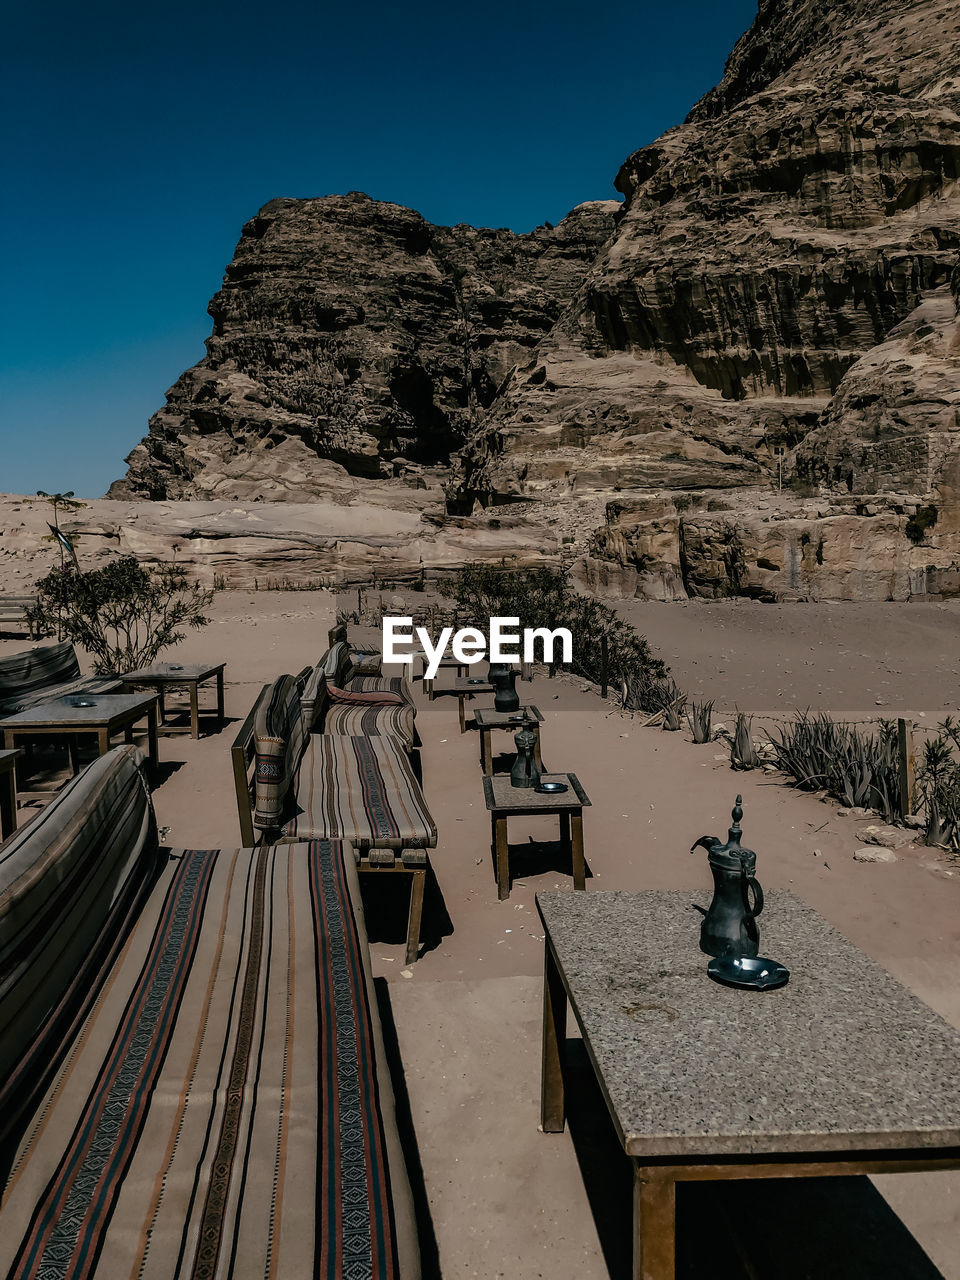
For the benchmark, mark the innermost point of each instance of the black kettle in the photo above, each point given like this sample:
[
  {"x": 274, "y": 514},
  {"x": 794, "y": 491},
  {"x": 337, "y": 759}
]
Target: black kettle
[
  {"x": 730, "y": 926},
  {"x": 504, "y": 679}
]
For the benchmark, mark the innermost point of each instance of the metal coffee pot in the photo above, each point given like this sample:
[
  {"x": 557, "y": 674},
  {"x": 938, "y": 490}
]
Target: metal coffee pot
[
  {"x": 504, "y": 679},
  {"x": 730, "y": 926},
  {"x": 525, "y": 771}
]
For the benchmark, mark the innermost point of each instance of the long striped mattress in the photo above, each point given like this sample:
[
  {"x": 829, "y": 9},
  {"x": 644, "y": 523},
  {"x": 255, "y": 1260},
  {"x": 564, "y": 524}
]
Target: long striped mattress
[
  {"x": 223, "y": 1108},
  {"x": 37, "y": 675},
  {"x": 359, "y": 789}
]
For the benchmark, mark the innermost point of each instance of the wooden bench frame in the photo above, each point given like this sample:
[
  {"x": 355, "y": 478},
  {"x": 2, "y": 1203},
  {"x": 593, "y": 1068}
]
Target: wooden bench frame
[{"x": 412, "y": 862}]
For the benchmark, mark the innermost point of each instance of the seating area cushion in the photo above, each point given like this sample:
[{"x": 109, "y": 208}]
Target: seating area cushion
[
  {"x": 388, "y": 688},
  {"x": 220, "y": 1111},
  {"x": 337, "y": 664},
  {"x": 279, "y": 734},
  {"x": 375, "y": 721},
  {"x": 48, "y": 671},
  {"x": 71, "y": 884},
  {"x": 359, "y": 789}
]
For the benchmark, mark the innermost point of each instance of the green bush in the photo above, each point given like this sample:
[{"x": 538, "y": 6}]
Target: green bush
[
  {"x": 545, "y": 598},
  {"x": 123, "y": 614},
  {"x": 860, "y": 769}
]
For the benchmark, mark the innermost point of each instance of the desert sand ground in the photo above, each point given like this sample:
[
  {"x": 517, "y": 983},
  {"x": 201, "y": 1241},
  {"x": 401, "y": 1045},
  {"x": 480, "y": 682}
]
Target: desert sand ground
[{"x": 496, "y": 1197}]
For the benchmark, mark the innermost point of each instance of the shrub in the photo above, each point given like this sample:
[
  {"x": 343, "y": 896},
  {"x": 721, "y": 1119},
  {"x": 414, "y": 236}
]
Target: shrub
[
  {"x": 743, "y": 754},
  {"x": 545, "y": 598},
  {"x": 123, "y": 614},
  {"x": 860, "y": 769},
  {"x": 938, "y": 785},
  {"x": 700, "y": 720}
]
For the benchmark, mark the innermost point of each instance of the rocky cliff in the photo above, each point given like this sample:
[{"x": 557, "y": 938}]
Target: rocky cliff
[
  {"x": 353, "y": 338},
  {"x": 771, "y": 303}
]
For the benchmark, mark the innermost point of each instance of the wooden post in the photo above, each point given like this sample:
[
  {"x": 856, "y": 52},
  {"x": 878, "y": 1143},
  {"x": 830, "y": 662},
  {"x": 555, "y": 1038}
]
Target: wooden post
[
  {"x": 905, "y": 759},
  {"x": 604, "y": 665}
]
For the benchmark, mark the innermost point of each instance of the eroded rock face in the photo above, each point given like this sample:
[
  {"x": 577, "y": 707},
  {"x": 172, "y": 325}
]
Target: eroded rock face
[
  {"x": 353, "y": 338},
  {"x": 801, "y": 212}
]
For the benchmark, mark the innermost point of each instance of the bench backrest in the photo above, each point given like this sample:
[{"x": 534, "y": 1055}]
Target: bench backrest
[
  {"x": 72, "y": 882},
  {"x": 25, "y": 673}
]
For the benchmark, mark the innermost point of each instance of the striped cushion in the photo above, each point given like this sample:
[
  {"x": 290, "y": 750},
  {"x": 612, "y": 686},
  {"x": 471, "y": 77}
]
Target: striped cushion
[
  {"x": 336, "y": 663},
  {"x": 220, "y": 1112},
  {"x": 354, "y": 696},
  {"x": 279, "y": 735},
  {"x": 360, "y": 789},
  {"x": 50, "y": 671},
  {"x": 373, "y": 722},
  {"x": 71, "y": 883},
  {"x": 388, "y": 687}
]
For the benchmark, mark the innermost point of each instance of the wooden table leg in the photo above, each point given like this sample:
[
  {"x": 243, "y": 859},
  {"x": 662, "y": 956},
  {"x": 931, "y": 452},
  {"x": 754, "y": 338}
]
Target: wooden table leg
[
  {"x": 486, "y": 752},
  {"x": 103, "y": 741},
  {"x": 654, "y": 1225},
  {"x": 8, "y": 804},
  {"x": 195, "y": 709},
  {"x": 416, "y": 911},
  {"x": 503, "y": 856},
  {"x": 576, "y": 853},
  {"x": 463, "y": 713},
  {"x": 128, "y": 733},
  {"x": 152, "y": 753},
  {"x": 428, "y": 685},
  {"x": 552, "y": 1105},
  {"x": 220, "y": 705}
]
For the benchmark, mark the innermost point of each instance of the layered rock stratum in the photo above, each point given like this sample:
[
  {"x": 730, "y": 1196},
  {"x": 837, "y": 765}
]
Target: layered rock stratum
[{"x": 774, "y": 303}]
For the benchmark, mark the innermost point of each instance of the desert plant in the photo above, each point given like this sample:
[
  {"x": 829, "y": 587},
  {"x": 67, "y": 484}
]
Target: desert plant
[
  {"x": 743, "y": 754},
  {"x": 938, "y": 785},
  {"x": 123, "y": 614},
  {"x": 700, "y": 720},
  {"x": 545, "y": 598},
  {"x": 860, "y": 769}
]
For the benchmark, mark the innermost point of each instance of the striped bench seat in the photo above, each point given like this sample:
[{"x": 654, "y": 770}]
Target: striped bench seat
[
  {"x": 373, "y": 722},
  {"x": 359, "y": 789},
  {"x": 39, "y": 675},
  {"x": 206, "y": 1095}
]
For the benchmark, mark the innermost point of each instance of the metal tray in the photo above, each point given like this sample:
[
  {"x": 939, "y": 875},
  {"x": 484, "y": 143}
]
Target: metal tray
[
  {"x": 551, "y": 788},
  {"x": 758, "y": 973}
]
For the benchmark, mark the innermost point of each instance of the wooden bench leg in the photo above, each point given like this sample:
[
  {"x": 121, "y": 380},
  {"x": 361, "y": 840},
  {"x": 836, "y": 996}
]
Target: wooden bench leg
[{"x": 417, "y": 886}]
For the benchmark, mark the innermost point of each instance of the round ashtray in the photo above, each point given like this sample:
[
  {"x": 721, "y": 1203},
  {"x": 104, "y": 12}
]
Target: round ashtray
[
  {"x": 757, "y": 973},
  {"x": 80, "y": 702},
  {"x": 475, "y": 680},
  {"x": 174, "y": 666},
  {"x": 551, "y": 788},
  {"x": 518, "y": 717}
]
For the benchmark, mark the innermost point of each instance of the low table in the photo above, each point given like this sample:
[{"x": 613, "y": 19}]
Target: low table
[
  {"x": 8, "y": 792},
  {"x": 464, "y": 690},
  {"x": 842, "y": 1071},
  {"x": 487, "y": 720},
  {"x": 504, "y": 801},
  {"x": 446, "y": 664},
  {"x": 164, "y": 676},
  {"x": 107, "y": 714}
]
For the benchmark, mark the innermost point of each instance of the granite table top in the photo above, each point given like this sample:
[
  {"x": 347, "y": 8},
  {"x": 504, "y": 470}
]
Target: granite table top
[
  {"x": 61, "y": 713},
  {"x": 487, "y": 718},
  {"x": 843, "y": 1058},
  {"x": 500, "y": 794},
  {"x": 171, "y": 673}
]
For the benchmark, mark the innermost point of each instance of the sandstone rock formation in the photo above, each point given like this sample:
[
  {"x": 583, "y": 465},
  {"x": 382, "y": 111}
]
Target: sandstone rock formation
[
  {"x": 353, "y": 338},
  {"x": 771, "y": 302}
]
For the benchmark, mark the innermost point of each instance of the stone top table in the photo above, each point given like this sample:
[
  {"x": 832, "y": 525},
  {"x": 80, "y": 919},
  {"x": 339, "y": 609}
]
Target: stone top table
[
  {"x": 503, "y": 800},
  {"x": 841, "y": 1071},
  {"x": 170, "y": 675},
  {"x": 8, "y": 792},
  {"x": 103, "y": 714},
  {"x": 487, "y": 720}
]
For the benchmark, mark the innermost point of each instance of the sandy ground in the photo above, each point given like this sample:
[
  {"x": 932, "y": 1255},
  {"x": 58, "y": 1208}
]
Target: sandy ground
[{"x": 497, "y": 1198}]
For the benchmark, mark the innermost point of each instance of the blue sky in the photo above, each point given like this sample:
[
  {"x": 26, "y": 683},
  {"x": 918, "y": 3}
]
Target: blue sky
[{"x": 138, "y": 140}]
